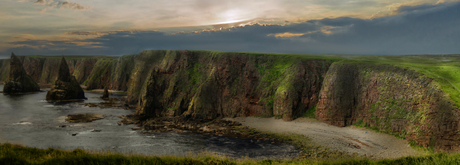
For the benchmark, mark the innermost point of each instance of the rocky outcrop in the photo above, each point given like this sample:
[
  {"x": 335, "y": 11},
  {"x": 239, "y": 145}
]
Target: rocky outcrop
[
  {"x": 66, "y": 86},
  {"x": 18, "y": 80},
  {"x": 105, "y": 95},
  {"x": 390, "y": 99},
  {"x": 100, "y": 76},
  {"x": 203, "y": 85},
  {"x": 83, "y": 118},
  {"x": 44, "y": 70}
]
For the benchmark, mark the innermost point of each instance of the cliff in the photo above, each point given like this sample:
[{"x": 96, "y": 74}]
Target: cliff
[
  {"x": 205, "y": 85},
  {"x": 88, "y": 70},
  {"x": 413, "y": 97},
  {"x": 390, "y": 99}
]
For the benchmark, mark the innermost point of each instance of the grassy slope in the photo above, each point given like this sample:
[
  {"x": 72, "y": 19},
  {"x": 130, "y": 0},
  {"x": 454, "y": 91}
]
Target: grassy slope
[
  {"x": 15, "y": 154},
  {"x": 70, "y": 56},
  {"x": 445, "y": 69}
]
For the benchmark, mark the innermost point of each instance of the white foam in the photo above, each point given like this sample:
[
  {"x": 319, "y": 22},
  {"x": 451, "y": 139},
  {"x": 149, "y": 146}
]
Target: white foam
[
  {"x": 139, "y": 145},
  {"x": 23, "y": 123},
  {"x": 61, "y": 119}
]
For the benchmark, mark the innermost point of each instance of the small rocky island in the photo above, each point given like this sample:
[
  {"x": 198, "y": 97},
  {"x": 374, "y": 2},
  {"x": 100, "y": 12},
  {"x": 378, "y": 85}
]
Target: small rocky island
[
  {"x": 19, "y": 81},
  {"x": 66, "y": 87},
  {"x": 106, "y": 93},
  {"x": 83, "y": 118}
]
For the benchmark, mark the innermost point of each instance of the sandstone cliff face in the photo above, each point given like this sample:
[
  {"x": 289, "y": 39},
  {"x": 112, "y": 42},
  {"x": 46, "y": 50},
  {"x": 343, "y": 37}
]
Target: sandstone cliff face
[
  {"x": 390, "y": 99},
  {"x": 66, "y": 86},
  {"x": 122, "y": 72},
  {"x": 101, "y": 74},
  {"x": 44, "y": 70},
  {"x": 206, "y": 85},
  {"x": 18, "y": 80}
]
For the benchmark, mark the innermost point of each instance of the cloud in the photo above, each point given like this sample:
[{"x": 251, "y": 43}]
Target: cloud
[
  {"x": 61, "y": 5},
  {"x": 99, "y": 33},
  {"x": 44, "y": 2},
  {"x": 427, "y": 29},
  {"x": 290, "y": 35},
  {"x": 286, "y": 34},
  {"x": 80, "y": 43},
  {"x": 75, "y": 6}
]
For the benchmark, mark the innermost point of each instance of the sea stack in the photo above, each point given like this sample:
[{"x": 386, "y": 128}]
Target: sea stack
[
  {"x": 106, "y": 93},
  {"x": 66, "y": 87},
  {"x": 19, "y": 81}
]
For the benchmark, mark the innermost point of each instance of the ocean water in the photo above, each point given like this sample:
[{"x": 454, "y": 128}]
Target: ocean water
[{"x": 32, "y": 121}]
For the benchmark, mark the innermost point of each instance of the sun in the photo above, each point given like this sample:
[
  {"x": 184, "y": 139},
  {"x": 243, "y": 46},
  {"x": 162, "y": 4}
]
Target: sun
[{"x": 232, "y": 16}]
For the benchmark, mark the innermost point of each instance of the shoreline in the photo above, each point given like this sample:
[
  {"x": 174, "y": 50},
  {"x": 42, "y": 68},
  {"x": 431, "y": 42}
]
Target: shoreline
[
  {"x": 364, "y": 142},
  {"x": 229, "y": 128}
]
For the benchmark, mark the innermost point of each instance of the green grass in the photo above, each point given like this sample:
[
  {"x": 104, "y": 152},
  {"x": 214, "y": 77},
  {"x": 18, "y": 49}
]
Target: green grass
[
  {"x": 15, "y": 154},
  {"x": 72, "y": 56},
  {"x": 311, "y": 113},
  {"x": 444, "y": 68}
]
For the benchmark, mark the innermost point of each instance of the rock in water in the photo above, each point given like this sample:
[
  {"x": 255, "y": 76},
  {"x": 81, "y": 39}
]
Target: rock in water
[
  {"x": 106, "y": 93},
  {"x": 19, "y": 81},
  {"x": 83, "y": 118},
  {"x": 66, "y": 87}
]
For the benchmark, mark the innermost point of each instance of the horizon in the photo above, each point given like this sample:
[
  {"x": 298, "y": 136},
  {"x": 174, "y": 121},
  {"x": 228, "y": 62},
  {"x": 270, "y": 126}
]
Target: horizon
[{"x": 4, "y": 56}]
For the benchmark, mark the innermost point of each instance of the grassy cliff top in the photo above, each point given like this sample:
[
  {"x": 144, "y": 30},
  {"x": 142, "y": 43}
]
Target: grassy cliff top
[
  {"x": 444, "y": 68},
  {"x": 71, "y": 56}
]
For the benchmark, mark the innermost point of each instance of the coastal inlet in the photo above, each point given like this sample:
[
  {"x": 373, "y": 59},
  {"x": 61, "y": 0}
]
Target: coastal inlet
[{"x": 32, "y": 121}]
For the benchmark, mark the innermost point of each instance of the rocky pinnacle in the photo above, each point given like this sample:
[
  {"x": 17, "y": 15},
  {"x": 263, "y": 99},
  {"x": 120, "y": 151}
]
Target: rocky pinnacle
[
  {"x": 19, "y": 81},
  {"x": 64, "y": 72}
]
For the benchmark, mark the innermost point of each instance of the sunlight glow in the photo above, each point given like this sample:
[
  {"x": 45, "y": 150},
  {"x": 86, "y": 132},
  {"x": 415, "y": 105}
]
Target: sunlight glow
[{"x": 232, "y": 16}]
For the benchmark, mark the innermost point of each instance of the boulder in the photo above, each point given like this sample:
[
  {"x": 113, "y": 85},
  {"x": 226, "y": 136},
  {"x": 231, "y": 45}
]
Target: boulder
[
  {"x": 66, "y": 87},
  {"x": 19, "y": 81}
]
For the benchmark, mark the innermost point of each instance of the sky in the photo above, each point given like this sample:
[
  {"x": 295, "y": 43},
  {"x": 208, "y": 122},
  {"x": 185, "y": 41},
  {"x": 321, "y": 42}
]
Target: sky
[{"x": 120, "y": 27}]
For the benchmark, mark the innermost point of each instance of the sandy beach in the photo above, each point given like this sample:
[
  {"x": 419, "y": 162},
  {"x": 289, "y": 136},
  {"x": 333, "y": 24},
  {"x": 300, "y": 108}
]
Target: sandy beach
[{"x": 352, "y": 140}]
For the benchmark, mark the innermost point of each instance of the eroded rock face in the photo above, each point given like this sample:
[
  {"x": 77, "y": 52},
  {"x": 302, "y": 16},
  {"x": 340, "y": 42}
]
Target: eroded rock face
[
  {"x": 19, "y": 81},
  {"x": 66, "y": 86},
  {"x": 203, "y": 86},
  {"x": 394, "y": 100}
]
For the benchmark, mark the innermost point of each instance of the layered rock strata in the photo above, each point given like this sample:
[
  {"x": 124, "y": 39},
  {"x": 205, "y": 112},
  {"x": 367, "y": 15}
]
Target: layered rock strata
[{"x": 200, "y": 85}]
